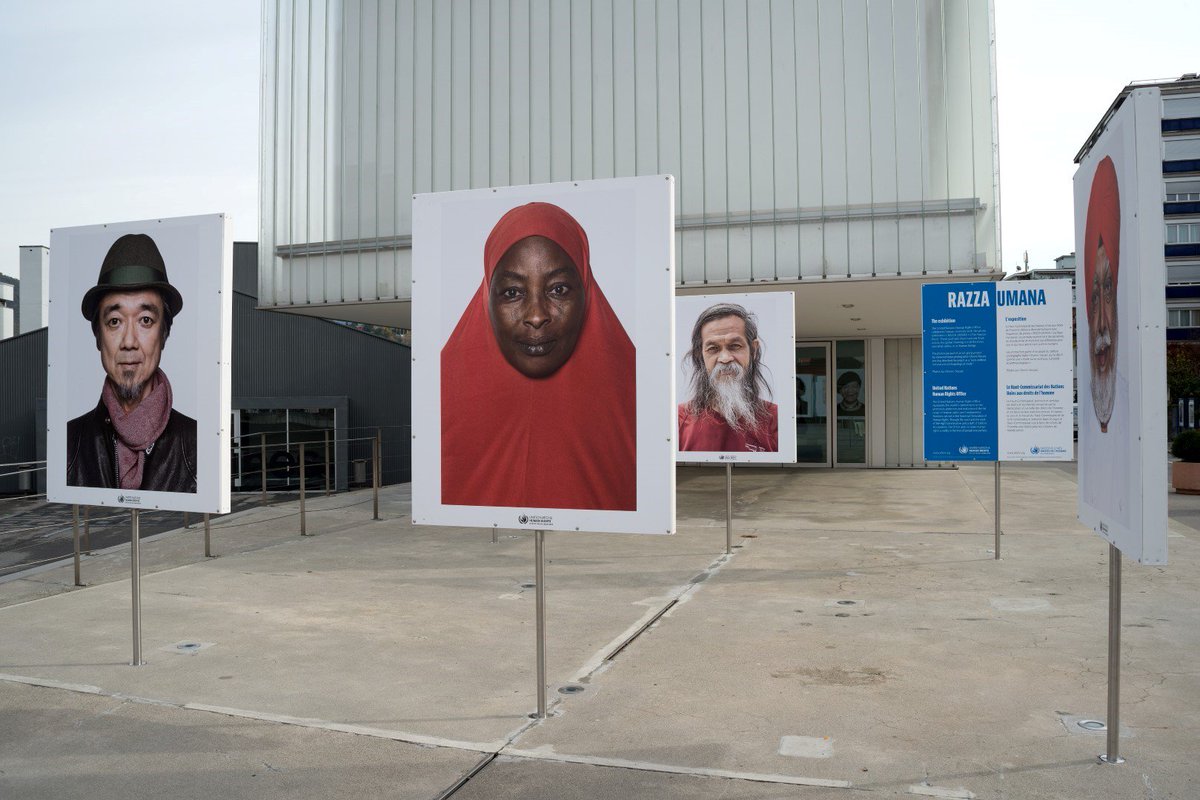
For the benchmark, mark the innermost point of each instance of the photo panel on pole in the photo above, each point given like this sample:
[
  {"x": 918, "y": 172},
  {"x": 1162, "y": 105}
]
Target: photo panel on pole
[
  {"x": 543, "y": 387},
  {"x": 1121, "y": 331},
  {"x": 735, "y": 376},
  {"x": 138, "y": 386}
]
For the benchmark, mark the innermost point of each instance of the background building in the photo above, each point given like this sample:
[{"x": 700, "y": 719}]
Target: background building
[
  {"x": 1180, "y": 197},
  {"x": 843, "y": 149},
  {"x": 35, "y": 288},
  {"x": 1180, "y": 149},
  {"x": 10, "y": 309}
]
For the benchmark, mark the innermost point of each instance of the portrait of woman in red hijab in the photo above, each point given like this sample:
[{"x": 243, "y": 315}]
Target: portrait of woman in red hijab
[{"x": 538, "y": 394}]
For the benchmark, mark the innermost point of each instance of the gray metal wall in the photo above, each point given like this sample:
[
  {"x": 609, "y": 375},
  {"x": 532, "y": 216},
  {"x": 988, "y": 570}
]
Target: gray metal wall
[
  {"x": 22, "y": 383},
  {"x": 281, "y": 355},
  {"x": 809, "y": 139}
]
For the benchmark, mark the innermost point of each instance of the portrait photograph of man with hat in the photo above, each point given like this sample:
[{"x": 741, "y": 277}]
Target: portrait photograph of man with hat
[
  {"x": 138, "y": 392},
  {"x": 133, "y": 438}
]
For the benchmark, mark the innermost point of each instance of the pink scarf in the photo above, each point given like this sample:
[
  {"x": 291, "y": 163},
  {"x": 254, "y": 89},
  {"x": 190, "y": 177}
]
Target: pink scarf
[{"x": 139, "y": 429}]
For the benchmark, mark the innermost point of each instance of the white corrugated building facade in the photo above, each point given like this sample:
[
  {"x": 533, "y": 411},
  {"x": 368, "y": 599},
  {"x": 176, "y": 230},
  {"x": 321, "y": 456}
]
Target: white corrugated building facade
[{"x": 841, "y": 149}]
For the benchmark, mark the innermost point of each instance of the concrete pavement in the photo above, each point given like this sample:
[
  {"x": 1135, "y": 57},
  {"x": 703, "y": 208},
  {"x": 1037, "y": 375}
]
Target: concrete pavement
[{"x": 861, "y": 639}]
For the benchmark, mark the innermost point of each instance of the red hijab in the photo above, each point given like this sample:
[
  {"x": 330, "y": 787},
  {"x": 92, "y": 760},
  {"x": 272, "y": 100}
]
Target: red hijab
[
  {"x": 1103, "y": 223},
  {"x": 568, "y": 440}
]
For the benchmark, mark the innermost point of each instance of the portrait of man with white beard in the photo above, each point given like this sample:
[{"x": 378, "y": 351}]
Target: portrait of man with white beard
[{"x": 729, "y": 409}]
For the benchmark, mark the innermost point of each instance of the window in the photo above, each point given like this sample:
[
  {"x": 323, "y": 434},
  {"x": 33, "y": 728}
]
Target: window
[
  {"x": 1183, "y": 317},
  {"x": 1182, "y": 197},
  {"x": 1183, "y": 233}
]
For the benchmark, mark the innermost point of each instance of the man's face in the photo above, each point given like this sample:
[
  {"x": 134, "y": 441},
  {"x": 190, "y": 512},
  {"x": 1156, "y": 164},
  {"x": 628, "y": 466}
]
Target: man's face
[
  {"x": 130, "y": 340},
  {"x": 723, "y": 341},
  {"x": 1102, "y": 334},
  {"x": 850, "y": 390},
  {"x": 536, "y": 303}
]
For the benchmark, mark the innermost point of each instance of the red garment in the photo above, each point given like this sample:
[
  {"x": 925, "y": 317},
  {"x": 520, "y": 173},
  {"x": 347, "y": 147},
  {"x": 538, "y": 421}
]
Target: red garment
[
  {"x": 710, "y": 433},
  {"x": 1103, "y": 222},
  {"x": 568, "y": 440},
  {"x": 138, "y": 429}
]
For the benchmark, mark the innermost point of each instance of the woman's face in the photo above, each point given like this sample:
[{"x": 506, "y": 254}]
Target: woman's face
[{"x": 536, "y": 303}]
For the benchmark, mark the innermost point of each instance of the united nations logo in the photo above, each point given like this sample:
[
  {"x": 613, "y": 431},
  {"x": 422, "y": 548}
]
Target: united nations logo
[
  {"x": 120, "y": 498},
  {"x": 524, "y": 520},
  {"x": 1035, "y": 450},
  {"x": 962, "y": 449}
]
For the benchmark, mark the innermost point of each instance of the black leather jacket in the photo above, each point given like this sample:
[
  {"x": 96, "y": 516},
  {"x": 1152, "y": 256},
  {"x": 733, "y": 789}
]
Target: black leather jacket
[{"x": 92, "y": 454}]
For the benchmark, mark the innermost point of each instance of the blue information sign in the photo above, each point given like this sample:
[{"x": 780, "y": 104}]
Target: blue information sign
[{"x": 960, "y": 367}]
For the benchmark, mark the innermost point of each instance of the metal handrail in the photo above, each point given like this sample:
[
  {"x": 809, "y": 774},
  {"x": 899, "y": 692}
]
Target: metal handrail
[
  {"x": 20, "y": 463},
  {"x": 21, "y": 472}
]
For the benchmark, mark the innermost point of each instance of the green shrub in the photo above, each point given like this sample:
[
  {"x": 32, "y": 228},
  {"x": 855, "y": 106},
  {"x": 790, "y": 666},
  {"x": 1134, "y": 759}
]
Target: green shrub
[{"x": 1187, "y": 446}]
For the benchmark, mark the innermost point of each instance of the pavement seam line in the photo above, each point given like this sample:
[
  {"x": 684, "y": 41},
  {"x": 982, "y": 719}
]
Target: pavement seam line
[
  {"x": 359, "y": 730},
  {"x": 618, "y": 644},
  {"x": 650, "y": 766},
  {"x": 479, "y": 767},
  {"x": 303, "y": 722},
  {"x": 81, "y": 688}
]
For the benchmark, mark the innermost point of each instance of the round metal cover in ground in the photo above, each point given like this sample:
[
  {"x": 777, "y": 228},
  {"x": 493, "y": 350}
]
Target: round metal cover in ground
[
  {"x": 570, "y": 688},
  {"x": 847, "y": 602},
  {"x": 187, "y": 646},
  {"x": 1092, "y": 725},
  {"x": 529, "y": 585}
]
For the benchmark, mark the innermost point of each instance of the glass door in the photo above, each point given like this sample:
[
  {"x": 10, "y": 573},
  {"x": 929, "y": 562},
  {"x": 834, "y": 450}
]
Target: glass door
[
  {"x": 850, "y": 410},
  {"x": 812, "y": 404}
]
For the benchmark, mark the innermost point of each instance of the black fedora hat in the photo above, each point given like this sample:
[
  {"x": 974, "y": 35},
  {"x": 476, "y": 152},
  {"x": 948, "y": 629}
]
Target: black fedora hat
[{"x": 132, "y": 263}]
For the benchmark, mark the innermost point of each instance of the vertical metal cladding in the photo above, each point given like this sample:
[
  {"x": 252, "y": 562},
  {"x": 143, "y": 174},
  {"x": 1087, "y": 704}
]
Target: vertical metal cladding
[{"x": 809, "y": 139}]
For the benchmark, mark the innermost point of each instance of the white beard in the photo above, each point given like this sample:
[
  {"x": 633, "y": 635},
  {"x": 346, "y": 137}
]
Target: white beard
[
  {"x": 729, "y": 395},
  {"x": 1104, "y": 387}
]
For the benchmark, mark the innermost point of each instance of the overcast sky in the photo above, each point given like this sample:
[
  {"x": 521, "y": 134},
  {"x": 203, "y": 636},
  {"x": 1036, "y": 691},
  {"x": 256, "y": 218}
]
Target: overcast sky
[
  {"x": 129, "y": 109},
  {"x": 124, "y": 110}
]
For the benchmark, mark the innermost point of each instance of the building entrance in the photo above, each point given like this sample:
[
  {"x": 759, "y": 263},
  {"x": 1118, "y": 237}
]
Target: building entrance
[{"x": 831, "y": 418}]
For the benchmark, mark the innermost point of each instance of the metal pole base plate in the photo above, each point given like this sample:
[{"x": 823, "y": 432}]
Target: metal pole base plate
[{"x": 1104, "y": 759}]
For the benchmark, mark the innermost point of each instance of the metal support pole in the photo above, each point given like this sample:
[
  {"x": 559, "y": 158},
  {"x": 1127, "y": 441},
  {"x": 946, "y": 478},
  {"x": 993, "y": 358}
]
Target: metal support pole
[
  {"x": 303, "y": 520},
  {"x": 327, "y": 463},
  {"x": 375, "y": 470},
  {"x": 87, "y": 530},
  {"x": 996, "y": 549},
  {"x": 262, "y": 449},
  {"x": 728, "y": 509},
  {"x": 207, "y": 538},
  {"x": 75, "y": 536},
  {"x": 1113, "y": 720},
  {"x": 187, "y": 520},
  {"x": 136, "y": 582},
  {"x": 539, "y": 545},
  {"x": 495, "y": 535}
]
